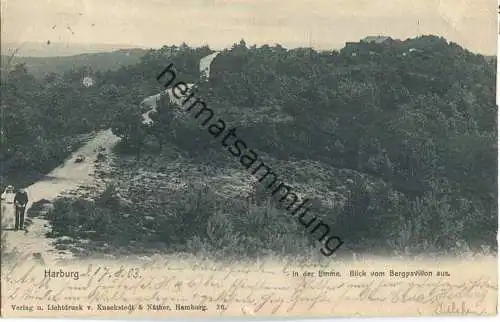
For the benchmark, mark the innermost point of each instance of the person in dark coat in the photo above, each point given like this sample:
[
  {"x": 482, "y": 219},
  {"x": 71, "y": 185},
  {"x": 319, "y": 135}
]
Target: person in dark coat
[{"x": 20, "y": 201}]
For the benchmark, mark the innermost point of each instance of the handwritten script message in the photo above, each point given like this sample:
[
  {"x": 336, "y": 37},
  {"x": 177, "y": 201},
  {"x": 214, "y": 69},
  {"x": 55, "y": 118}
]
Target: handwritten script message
[{"x": 167, "y": 287}]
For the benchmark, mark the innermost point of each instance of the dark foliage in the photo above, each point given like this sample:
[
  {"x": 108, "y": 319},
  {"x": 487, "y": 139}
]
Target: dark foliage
[{"x": 408, "y": 130}]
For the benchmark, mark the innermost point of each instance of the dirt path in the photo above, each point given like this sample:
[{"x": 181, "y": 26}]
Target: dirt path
[
  {"x": 151, "y": 101},
  {"x": 67, "y": 177}
]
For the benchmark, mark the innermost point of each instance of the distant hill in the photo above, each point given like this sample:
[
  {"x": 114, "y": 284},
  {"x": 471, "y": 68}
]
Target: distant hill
[
  {"x": 38, "y": 66},
  {"x": 58, "y": 49}
]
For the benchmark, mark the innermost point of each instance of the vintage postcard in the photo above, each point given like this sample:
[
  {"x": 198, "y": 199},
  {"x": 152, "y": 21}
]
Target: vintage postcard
[{"x": 265, "y": 158}]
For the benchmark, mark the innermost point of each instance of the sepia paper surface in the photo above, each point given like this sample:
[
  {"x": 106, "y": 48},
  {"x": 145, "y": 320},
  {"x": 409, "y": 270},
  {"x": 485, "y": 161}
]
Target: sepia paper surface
[
  {"x": 164, "y": 287},
  {"x": 379, "y": 116}
]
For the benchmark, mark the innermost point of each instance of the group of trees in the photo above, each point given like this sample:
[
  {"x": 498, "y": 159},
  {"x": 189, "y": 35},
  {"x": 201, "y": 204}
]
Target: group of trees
[
  {"x": 42, "y": 118},
  {"x": 415, "y": 131},
  {"x": 416, "y": 128}
]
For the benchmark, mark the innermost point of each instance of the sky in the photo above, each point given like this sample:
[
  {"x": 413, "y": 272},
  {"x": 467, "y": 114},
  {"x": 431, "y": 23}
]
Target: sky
[{"x": 323, "y": 24}]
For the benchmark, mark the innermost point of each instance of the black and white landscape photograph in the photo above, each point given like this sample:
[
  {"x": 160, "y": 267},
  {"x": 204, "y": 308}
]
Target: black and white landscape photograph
[
  {"x": 245, "y": 130},
  {"x": 393, "y": 142}
]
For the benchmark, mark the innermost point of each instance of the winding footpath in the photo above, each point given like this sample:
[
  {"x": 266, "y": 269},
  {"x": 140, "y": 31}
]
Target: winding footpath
[
  {"x": 151, "y": 102},
  {"x": 64, "y": 181},
  {"x": 59, "y": 182}
]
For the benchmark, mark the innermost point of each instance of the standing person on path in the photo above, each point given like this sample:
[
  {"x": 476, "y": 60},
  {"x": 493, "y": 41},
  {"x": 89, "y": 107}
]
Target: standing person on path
[
  {"x": 20, "y": 201},
  {"x": 8, "y": 199}
]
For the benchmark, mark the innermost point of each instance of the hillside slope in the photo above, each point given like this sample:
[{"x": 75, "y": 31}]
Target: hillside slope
[{"x": 395, "y": 146}]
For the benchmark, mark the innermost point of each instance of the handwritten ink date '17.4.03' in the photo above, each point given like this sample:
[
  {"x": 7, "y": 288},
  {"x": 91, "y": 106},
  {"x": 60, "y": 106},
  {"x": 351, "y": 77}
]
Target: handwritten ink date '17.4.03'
[{"x": 103, "y": 272}]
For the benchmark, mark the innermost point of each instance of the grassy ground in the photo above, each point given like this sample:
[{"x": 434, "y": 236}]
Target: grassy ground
[{"x": 169, "y": 203}]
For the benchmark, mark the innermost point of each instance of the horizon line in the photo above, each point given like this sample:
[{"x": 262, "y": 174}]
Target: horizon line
[{"x": 217, "y": 48}]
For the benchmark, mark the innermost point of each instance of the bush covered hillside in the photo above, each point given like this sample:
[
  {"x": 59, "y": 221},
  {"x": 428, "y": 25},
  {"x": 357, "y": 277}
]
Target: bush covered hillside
[
  {"x": 394, "y": 142},
  {"x": 42, "y": 118},
  {"x": 40, "y": 66}
]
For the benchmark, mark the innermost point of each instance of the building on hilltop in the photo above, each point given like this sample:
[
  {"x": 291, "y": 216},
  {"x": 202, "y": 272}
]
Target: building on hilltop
[
  {"x": 381, "y": 40},
  {"x": 362, "y": 46}
]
